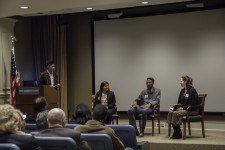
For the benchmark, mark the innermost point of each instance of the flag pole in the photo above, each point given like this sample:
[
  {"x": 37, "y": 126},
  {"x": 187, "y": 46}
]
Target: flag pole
[
  {"x": 14, "y": 75},
  {"x": 13, "y": 39}
]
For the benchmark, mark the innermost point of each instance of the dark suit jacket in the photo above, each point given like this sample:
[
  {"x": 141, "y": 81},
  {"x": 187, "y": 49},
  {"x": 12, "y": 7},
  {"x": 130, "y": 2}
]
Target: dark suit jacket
[
  {"x": 66, "y": 132},
  {"x": 110, "y": 98},
  {"x": 23, "y": 141},
  {"x": 45, "y": 78}
]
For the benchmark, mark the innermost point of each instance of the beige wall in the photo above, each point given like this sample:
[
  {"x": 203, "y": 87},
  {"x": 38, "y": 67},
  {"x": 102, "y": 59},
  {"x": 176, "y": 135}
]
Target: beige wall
[{"x": 6, "y": 31}]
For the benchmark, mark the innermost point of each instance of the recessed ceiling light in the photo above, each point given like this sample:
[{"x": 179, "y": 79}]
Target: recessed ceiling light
[
  {"x": 89, "y": 8},
  {"x": 144, "y": 2},
  {"x": 24, "y": 7}
]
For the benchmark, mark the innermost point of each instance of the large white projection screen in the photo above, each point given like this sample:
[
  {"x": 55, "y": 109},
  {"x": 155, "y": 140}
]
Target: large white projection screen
[{"x": 127, "y": 51}]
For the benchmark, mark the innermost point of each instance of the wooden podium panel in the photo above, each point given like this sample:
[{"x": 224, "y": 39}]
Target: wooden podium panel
[
  {"x": 25, "y": 97},
  {"x": 50, "y": 93}
]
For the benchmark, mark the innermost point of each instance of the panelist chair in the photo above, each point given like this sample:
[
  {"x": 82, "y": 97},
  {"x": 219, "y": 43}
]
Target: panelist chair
[
  {"x": 152, "y": 116},
  {"x": 193, "y": 118},
  {"x": 114, "y": 116}
]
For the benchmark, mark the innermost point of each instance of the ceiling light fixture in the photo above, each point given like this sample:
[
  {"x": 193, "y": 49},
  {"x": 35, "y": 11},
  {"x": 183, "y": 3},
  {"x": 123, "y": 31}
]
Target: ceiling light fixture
[
  {"x": 24, "y": 7},
  {"x": 144, "y": 2},
  {"x": 89, "y": 8}
]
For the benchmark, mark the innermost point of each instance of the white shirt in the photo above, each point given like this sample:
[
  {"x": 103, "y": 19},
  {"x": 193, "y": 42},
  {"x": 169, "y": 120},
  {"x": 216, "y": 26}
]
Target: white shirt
[
  {"x": 104, "y": 99},
  {"x": 51, "y": 78}
]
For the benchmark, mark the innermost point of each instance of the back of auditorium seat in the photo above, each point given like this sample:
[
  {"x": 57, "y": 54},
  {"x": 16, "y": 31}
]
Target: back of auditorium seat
[
  {"x": 56, "y": 143},
  {"x": 98, "y": 141},
  {"x": 127, "y": 134},
  {"x": 31, "y": 127},
  {"x": 34, "y": 133},
  {"x": 71, "y": 126},
  {"x": 8, "y": 146}
]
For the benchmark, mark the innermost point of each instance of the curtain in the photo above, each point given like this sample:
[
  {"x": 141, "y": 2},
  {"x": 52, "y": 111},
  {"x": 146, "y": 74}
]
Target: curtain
[{"x": 49, "y": 43}]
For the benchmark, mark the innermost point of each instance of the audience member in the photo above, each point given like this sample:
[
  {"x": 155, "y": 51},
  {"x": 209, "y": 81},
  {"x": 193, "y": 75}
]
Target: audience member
[
  {"x": 95, "y": 125},
  {"x": 42, "y": 121},
  {"x": 106, "y": 97},
  {"x": 144, "y": 104},
  {"x": 188, "y": 96},
  {"x": 56, "y": 122},
  {"x": 81, "y": 114},
  {"x": 40, "y": 105},
  {"x": 10, "y": 129}
]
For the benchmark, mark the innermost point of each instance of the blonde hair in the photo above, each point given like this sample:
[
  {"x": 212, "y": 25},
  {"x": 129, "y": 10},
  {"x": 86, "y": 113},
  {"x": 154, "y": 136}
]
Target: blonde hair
[
  {"x": 22, "y": 122},
  {"x": 10, "y": 121}
]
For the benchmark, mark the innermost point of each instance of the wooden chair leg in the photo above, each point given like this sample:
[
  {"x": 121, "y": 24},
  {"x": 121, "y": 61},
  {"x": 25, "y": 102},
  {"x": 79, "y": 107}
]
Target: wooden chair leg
[
  {"x": 169, "y": 129},
  {"x": 184, "y": 130},
  {"x": 189, "y": 128},
  {"x": 203, "y": 129},
  {"x": 117, "y": 120},
  {"x": 153, "y": 127},
  {"x": 159, "y": 126}
]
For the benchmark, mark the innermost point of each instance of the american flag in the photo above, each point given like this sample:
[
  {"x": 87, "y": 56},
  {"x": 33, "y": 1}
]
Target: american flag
[{"x": 14, "y": 77}]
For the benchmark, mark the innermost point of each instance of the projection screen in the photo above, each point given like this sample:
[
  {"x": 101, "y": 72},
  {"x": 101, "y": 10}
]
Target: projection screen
[{"x": 127, "y": 51}]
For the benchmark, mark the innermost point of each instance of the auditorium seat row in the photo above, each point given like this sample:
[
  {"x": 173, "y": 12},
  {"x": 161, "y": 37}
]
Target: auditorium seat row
[{"x": 125, "y": 133}]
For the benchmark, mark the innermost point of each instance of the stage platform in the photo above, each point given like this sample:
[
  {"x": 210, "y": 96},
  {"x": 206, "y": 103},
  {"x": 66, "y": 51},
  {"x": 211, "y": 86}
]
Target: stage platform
[{"x": 214, "y": 140}]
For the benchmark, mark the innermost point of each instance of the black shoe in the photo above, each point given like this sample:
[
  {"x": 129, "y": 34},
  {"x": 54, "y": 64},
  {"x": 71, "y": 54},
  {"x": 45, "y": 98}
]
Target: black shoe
[
  {"x": 178, "y": 136},
  {"x": 173, "y": 136},
  {"x": 137, "y": 133},
  {"x": 141, "y": 134}
]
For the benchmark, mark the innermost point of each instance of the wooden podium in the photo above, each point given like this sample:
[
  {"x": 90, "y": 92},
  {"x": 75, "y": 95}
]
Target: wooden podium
[{"x": 25, "y": 97}]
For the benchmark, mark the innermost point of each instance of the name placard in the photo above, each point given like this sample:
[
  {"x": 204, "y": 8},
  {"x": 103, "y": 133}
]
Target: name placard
[{"x": 28, "y": 90}]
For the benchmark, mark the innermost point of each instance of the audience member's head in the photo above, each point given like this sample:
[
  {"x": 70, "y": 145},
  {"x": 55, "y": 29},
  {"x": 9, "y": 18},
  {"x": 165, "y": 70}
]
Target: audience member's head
[
  {"x": 99, "y": 112},
  {"x": 42, "y": 121},
  {"x": 10, "y": 121},
  {"x": 40, "y": 104},
  {"x": 81, "y": 114},
  {"x": 56, "y": 118}
]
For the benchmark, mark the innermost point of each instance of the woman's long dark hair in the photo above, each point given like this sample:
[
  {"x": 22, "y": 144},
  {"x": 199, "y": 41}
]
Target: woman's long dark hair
[
  {"x": 81, "y": 114},
  {"x": 102, "y": 85}
]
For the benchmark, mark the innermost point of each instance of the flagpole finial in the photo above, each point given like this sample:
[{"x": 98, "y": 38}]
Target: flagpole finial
[{"x": 12, "y": 38}]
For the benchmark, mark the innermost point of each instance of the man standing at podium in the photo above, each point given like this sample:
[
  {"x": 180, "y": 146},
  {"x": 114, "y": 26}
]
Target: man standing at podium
[{"x": 49, "y": 77}]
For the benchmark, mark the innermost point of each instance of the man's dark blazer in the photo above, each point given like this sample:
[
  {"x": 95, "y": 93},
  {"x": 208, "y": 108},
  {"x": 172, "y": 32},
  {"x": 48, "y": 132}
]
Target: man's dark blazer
[
  {"x": 66, "y": 132},
  {"x": 45, "y": 78},
  {"x": 23, "y": 141},
  {"x": 110, "y": 98}
]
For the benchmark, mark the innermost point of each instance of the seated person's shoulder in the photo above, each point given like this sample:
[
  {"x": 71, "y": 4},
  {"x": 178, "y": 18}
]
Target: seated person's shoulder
[{"x": 110, "y": 130}]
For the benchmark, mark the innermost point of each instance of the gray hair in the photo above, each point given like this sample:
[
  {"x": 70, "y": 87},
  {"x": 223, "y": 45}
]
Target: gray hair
[{"x": 41, "y": 120}]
